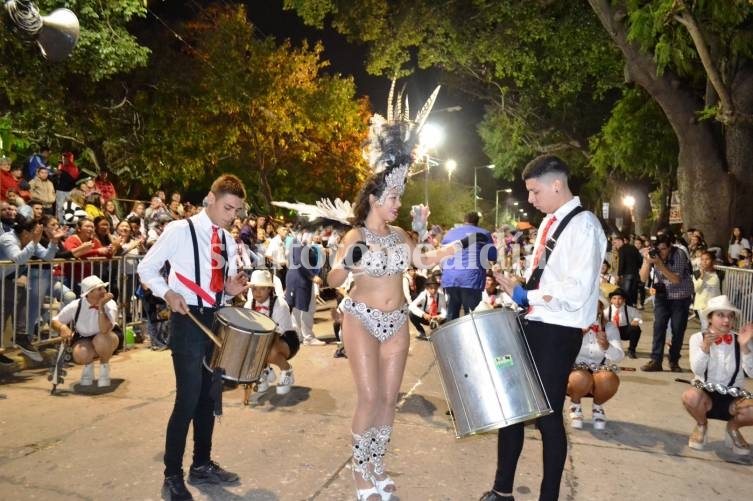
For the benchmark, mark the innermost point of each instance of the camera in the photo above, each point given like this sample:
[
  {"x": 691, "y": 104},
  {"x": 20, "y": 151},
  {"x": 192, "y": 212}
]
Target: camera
[{"x": 653, "y": 253}]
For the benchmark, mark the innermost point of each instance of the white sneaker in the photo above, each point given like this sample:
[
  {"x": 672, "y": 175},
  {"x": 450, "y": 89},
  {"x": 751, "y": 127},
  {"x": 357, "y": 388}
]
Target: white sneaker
[
  {"x": 104, "y": 376},
  {"x": 87, "y": 375},
  {"x": 285, "y": 382},
  {"x": 599, "y": 417},
  {"x": 267, "y": 377},
  {"x": 576, "y": 416},
  {"x": 313, "y": 342}
]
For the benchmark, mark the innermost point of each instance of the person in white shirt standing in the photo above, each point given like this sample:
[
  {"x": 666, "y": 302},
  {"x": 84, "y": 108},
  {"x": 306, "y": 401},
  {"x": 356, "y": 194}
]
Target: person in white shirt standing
[
  {"x": 718, "y": 357},
  {"x": 88, "y": 323},
  {"x": 202, "y": 258},
  {"x": 561, "y": 295}
]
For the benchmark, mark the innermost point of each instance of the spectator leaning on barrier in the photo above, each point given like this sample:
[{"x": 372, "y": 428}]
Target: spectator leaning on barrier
[
  {"x": 19, "y": 246},
  {"x": 673, "y": 290},
  {"x": 89, "y": 323}
]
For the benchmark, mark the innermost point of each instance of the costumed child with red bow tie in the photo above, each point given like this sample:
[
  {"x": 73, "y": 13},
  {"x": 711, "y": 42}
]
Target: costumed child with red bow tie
[
  {"x": 286, "y": 344},
  {"x": 719, "y": 359},
  {"x": 594, "y": 373},
  {"x": 88, "y": 323}
]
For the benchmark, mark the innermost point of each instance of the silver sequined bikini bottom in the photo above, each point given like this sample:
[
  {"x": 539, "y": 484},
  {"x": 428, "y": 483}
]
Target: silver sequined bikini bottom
[{"x": 382, "y": 325}]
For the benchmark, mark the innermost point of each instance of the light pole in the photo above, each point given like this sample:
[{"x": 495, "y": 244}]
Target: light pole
[
  {"x": 496, "y": 205},
  {"x": 431, "y": 136},
  {"x": 475, "y": 184}
]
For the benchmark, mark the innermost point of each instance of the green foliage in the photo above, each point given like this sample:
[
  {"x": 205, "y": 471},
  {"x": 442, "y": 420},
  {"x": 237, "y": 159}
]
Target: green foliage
[{"x": 447, "y": 201}]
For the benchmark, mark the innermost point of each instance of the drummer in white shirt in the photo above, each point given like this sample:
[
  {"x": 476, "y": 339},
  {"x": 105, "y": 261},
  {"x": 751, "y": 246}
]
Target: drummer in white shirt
[
  {"x": 286, "y": 344},
  {"x": 718, "y": 357},
  {"x": 594, "y": 373}
]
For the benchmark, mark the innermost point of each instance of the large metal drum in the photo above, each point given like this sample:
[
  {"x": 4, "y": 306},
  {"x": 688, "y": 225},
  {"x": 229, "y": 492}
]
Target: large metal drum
[
  {"x": 487, "y": 373},
  {"x": 246, "y": 338}
]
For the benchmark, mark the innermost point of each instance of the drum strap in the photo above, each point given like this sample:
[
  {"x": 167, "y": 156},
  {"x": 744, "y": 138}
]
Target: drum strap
[
  {"x": 533, "y": 282},
  {"x": 197, "y": 269},
  {"x": 737, "y": 365}
]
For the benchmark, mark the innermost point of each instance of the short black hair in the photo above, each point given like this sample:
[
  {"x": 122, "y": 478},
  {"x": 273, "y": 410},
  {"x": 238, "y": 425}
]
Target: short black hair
[
  {"x": 545, "y": 164},
  {"x": 472, "y": 218}
]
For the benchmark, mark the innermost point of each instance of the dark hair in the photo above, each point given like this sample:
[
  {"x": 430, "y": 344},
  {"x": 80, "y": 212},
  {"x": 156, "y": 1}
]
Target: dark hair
[
  {"x": 374, "y": 185},
  {"x": 35, "y": 202},
  {"x": 99, "y": 219},
  {"x": 732, "y": 235},
  {"x": 46, "y": 219},
  {"x": 607, "y": 263},
  {"x": 228, "y": 184},
  {"x": 94, "y": 198},
  {"x": 545, "y": 164},
  {"x": 22, "y": 223},
  {"x": 471, "y": 218},
  {"x": 134, "y": 220},
  {"x": 664, "y": 238}
]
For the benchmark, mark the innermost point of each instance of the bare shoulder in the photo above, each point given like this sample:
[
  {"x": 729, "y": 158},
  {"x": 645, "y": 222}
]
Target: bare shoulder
[
  {"x": 352, "y": 236},
  {"x": 401, "y": 233}
]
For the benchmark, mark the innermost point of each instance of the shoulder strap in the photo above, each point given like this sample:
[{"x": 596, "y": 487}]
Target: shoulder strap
[
  {"x": 737, "y": 360},
  {"x": 78, "y": 311},
  {"x": 197, "y": 271},
  {"x": 533, "y": 282}
]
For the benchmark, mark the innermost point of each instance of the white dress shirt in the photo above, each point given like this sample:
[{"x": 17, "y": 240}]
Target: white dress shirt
[
  {"x": 276, "y": 251},
  {"x": 632, "y": 315},
  {"x": 280, "y": 313},
  {"x": 88, "y": 318},
  {"x": 571, "y": 275},
  {"x": 592, "y": 353},
  {"x": 422, "y": 304},
  {"x": 175, "y": 245},
  {"x": 10, "y": 248},
  {"x": 720, "y": 361}
]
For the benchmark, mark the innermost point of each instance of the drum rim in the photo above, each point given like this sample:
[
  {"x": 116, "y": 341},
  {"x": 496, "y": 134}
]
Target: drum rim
[
  {"x": 227, "y": 323},
  {"x": 499, "y": 424}
]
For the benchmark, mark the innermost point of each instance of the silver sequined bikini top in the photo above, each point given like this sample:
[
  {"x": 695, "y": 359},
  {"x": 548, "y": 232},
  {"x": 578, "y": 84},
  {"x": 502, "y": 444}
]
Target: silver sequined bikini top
[{"x": 387, "y": 255}]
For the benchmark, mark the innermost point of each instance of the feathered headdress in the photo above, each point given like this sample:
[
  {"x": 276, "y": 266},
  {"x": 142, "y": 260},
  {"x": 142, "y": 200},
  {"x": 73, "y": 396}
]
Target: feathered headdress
[
  {"x": 325, "y": 211},
  {"x": 391, "y": 140}
]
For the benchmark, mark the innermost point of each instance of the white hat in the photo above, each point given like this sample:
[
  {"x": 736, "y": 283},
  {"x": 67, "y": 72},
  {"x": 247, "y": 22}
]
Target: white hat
[
  {"x": 720, "y": 303},
  {"x": 262, "y": 278},
  {"x": 90, "y": 283}
]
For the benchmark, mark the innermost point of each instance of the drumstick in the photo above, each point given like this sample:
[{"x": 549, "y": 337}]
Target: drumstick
[
  {"x": 627, "y": 369},
  {"x": 205, "y": 330}
]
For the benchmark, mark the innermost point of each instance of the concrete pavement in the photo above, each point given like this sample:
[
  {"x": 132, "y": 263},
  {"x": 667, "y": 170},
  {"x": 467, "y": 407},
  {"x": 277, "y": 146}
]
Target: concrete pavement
[{"x": 90, "y": 444}]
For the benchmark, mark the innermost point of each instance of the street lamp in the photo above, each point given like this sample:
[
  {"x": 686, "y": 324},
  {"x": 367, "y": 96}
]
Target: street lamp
[
  {"x": 450, "y": 165},
  {"x": 629, "y": 202},
  {"x": 496, "y": 205},
  {"x": 475, "y": 184},
  {"x": 431, "y": 136}
]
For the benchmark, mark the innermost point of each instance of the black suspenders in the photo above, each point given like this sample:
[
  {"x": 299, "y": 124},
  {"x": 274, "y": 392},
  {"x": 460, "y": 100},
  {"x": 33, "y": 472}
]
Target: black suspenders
[{"x": 197, "y": 269}]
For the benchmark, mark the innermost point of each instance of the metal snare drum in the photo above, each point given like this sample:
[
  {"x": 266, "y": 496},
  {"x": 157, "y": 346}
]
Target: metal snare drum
[
  {"x": 487, "y": 373},
  {"x": 246, "y": 337}
]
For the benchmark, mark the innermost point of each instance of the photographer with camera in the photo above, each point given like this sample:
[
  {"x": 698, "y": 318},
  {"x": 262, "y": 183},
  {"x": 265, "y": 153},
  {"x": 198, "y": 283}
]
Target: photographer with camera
[{"x": 674, "y": 289}]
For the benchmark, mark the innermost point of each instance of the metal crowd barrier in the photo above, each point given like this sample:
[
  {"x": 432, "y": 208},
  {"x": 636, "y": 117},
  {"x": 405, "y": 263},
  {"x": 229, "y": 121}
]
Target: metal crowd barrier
[
  {"x": 738, "y": 286},
  {"x": 33, "y": 293}
]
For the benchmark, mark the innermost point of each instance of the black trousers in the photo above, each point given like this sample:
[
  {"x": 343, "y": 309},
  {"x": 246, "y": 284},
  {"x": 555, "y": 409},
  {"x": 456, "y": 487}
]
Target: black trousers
[
  {"x": 632, "y": 334},
  {"x": 461, "y": 297},
  {"x": 554, "y": 349},
  {"x": 193, "y": 403}
]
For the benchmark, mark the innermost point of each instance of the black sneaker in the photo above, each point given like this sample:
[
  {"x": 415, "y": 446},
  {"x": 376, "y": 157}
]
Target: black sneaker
[
  {"x": 675, "y": 367},
  {"x": 211, "y": 473},
  {"x": 631, "y": 354},
  {"x": 493, "y": 496},
  {"x": 29, "y": 350},
  {"x": 340, "y": 352},
  {"x": 174, "y": 489},
  {"x": 652, "y": 366}
]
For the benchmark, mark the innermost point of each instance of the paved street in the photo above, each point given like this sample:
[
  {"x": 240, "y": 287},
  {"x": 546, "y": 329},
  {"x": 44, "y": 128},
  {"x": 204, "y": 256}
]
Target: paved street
[{"x": 86, "y": 444}]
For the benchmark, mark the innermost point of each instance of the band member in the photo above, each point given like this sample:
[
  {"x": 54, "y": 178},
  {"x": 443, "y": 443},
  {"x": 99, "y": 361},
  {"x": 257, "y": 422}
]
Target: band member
[
  {"x": 375, "y": 312},
  {"x": 626, "y": 318},
  {"x": 263, "y": 300},
  {"x": 197, "y": 249},
  {"x": 89, "y": 323},
  {"x": 561, "y": 293},
  {"x": 593, "y": 373},
  {"x": 429, "y": 308},
  {"x": 719, "y": 358}
]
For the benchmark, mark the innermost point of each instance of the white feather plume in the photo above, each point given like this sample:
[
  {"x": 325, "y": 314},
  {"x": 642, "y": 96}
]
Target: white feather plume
[{"x": 337, "y": 210}]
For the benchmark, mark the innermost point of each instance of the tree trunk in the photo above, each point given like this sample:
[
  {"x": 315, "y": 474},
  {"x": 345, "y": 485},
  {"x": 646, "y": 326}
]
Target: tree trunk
[{"x": 712, "y": 174}]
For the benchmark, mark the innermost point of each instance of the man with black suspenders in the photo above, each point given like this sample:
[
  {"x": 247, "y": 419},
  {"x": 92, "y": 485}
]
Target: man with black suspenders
[
  {"x": 196, "y": 250},
  {"x": 561, "y": 295}
]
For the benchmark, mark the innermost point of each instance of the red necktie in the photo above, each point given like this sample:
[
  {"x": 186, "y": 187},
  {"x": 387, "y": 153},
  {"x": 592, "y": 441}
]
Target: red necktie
[
  {"x": 542, "y": 241},
  {"x": 217, "y": 282},
  {"x": 261, "y": 309},
  {"x": 727, "y": 339},
  {"x": 433, "y": 308},
  {"x": 96, "y": 307},
  {"x": 616, "y": 318},
  {"x": 491, "y": 299}
]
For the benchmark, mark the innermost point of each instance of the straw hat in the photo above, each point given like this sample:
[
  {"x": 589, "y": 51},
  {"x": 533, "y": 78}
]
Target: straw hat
[
  {"x": 90, "y": 283},
  {"x": 261, "y": 278},
  {"x": 720, "y": 303}
]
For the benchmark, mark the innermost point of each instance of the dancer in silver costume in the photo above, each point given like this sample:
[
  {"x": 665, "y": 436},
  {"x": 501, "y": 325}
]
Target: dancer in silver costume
[{"x": 374, "y": 326}]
